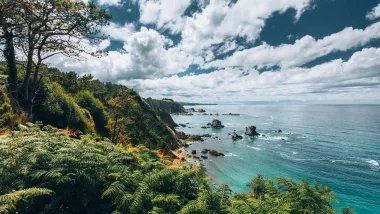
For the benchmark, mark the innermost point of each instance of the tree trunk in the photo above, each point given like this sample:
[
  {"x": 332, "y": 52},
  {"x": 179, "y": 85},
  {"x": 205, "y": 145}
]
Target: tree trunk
[
  {"x": 9, "y": 54},
  {"x": 28, "y": 72},
  {"x": 114, "y": 130},
  {"x": 32, "y": 90}
]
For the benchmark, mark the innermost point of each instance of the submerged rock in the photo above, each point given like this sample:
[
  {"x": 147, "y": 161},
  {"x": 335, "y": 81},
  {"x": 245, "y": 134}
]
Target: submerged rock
[
  {"x": 205, "y": 151},
  {"x": 215, "y": 153},
  {"x": 217, "y": 124},
  {"x": 251, "y": 131},
  {"x": 204, "y": 156}
]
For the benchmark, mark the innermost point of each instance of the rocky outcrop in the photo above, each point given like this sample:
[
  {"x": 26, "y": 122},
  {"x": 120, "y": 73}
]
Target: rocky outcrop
[
  {"x": 183, "y": 125},
  {"x": 195, "y": 138},
  {"x": 205, "y": 151},
  {"x": 204, "y": 156},
  {"x": 251, "y": 131},
  {"x": 236, "y": 136},
  {"x": 280, "y": 131},
  {"x": 181, "y": 135},
  {"x": 217, "y": 124},
  {"x": 215, "y": 153},
  {"x": 201, "y": 110}
]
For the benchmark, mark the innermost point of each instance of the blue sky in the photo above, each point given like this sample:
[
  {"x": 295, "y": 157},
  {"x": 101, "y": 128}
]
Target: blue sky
[{"x": 226, "y": 51}]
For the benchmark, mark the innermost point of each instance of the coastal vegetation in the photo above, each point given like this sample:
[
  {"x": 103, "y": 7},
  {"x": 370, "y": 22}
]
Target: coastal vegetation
[{"x": 73, "y": 144}]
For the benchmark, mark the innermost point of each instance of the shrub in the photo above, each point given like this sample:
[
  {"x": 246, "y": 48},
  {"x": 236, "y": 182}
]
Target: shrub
[
  {"x": 8, "y": 120},
  {"x": 60, "y": 109},
  {"x": 86, "y": 100}
]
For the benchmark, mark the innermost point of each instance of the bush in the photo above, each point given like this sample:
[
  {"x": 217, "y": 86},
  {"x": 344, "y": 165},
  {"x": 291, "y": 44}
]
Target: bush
[
  {"x": 8, "y": 120},
  {"x": 86, "y": 100},
  {"x": 60, "y": 109}
]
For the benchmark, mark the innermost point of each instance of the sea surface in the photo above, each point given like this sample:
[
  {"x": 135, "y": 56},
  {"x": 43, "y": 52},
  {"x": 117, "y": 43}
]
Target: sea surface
[{"x": 334, "y": 145}]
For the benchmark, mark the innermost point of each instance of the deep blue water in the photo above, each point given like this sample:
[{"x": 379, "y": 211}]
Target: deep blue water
[{"x": 335, "y": 145}]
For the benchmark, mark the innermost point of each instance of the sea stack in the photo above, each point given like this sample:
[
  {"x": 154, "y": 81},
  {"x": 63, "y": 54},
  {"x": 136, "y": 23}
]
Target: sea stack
[
  {"x": 217, "y": 124},
  {"x": 251, "y": 131}
]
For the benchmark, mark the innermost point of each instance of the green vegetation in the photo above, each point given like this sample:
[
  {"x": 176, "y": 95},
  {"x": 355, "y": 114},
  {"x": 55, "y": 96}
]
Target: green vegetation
[
  {"x": 114, "y": 153},
  {"x": 42, "y": 170},
  {"x": 61, "y": 110},
  {"x": 86, "y": 100}
]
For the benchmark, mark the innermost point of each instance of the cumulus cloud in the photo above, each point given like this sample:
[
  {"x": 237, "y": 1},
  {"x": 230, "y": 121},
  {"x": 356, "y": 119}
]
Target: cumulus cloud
[
  {"x": 110, "y": 2},
  {"x": 288, "y": 55},
  {"x": 119, "y": 32},
  {"x": 374, "y": 13},
  {"x": 164, "y": 13},
  {"x": 222, "y": 19},
  {"x": 342, "y": 80},
  {"x": 146, "y": 55}
]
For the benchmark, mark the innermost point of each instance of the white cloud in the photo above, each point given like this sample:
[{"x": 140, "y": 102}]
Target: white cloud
[
  {"x": 118, "y": 32},
  {"x": 110, "y": 2},
  {"x": 374, "y": 13},
  {"x": 146, "y": 56},
  {"x": 347, "y": 80},
  {"x": 288, "y": 55},
  {"x": 164, "y": 13},
  {"x": 220, "y": 20}
]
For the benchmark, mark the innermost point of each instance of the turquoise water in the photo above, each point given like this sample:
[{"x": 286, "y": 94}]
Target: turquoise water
[{"x": 335, "y": 145}]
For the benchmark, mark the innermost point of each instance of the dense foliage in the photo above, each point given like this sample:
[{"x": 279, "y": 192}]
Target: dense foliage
[
  {"x": 43, "y": 170},
  {"x": 86, "y": 100},
  {"x": 61, "y": 110}
]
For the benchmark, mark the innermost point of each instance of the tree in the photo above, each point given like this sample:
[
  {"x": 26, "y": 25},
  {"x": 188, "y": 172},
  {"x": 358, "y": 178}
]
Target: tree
[
  {"x": 7, "y": 34},
  {"x": 121, "y": 107},
  {"x": 51, "y": 27}
]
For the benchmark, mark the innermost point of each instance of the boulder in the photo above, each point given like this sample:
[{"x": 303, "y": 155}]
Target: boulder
[
  {"x": 204, "y": 156},
  {"x": 280, "y": 130},
  {"x": 215, "y": 153},
  {"x": 251, "y": 131},
  {"x": 194, "y": 138},
  {"x": 204, "y": 151},
  {"x": 201, "y": 110},
  {"x": 217, "y": 124},
  {"x": 181, "y": 135},
  {"x": 237, "y": 137},
  {"x": 194, "y": 152}
]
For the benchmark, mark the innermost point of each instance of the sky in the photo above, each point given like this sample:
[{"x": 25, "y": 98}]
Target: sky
[{"x": 240, "y": 51}]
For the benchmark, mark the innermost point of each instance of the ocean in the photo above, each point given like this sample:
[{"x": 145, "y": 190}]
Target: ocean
[{"x": 334, "y": 145}]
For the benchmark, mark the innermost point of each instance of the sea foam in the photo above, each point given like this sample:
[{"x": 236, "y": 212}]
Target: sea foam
[{"x": 373, "y": 162}]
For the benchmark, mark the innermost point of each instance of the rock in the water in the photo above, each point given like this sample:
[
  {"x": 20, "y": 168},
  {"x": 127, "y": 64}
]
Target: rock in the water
[
  {"x": 215, "y": 153},
  {"x": 204, "y": 156},
  {"x": 204, "y": 127},
  {"x": 280, "y": 130},
  {"x": 201, "y": 110},
  {"x": 217, "y": 124},
  {"x": 194, "y": 138},
  {"x": 206, "y": 135},
  {"x": 251, "y": 131},
  {"x": 204, "y": 151},
  {"x": 183, "y": 125},
  {"x": 194, "y": 152}
]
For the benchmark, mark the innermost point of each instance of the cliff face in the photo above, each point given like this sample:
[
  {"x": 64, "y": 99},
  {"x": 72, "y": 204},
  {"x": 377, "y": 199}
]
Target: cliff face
[
  {"x": 154, "y": 129},
  {"x": 165, "y": 105},
  {"x": 163, "y": 108}
]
